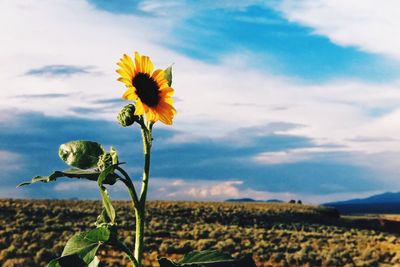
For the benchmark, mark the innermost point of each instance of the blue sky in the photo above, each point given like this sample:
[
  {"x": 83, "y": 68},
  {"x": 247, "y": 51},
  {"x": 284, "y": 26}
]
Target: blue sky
[{"x": 275, "y": 99}]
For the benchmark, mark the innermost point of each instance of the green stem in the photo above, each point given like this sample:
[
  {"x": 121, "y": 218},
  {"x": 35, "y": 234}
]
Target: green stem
[
  {"x": 121, "y": 246},
  {"x": 131, "y": 188},
  {"x": 139, "y": 238},
  {"x": 140, "y": 209},
  {"x": 146, "y": 136}
]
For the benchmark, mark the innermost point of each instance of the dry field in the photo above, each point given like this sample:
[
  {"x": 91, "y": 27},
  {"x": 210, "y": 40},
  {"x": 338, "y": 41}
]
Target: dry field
[{"x": 34, "y": 231}]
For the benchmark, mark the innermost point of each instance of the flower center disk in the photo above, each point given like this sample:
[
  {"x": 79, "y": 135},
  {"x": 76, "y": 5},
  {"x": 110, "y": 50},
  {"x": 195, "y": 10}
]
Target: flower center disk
[{"x": 146, "y": 89}]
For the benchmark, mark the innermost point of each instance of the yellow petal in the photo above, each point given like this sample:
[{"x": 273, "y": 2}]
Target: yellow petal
[
  {"x": 152, "y": 115},
  {"x": 127, "y": 64},
  {"x": 165, "y": 119},
  {"x": 139, "y": 110},
  {"x": 125, "y": 81},
  {"x": 130, "y": 94},
  {"x": 169, "y": 100},
  {"x": 157, "y": 74},
  {"x": 159, "y": 77},
  {"x": 143, "y": 63},
  {"x": 166, "y": 107},
  {"x": 127, "y": 60},
  {"x": 147, "y": 65},
  {"x": 150, "y": 66},
  {"x": 166, "y": 115},
  {"x": 128, "y": 69},
  {"x": 138, "y": 66},
  {"x": 123, "y": 73},
  {"x": 166, "y": 92}
]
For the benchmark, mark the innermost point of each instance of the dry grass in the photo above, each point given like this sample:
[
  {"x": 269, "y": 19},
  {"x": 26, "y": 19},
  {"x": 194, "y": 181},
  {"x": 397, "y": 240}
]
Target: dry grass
[{"x": 32, "y": 232}]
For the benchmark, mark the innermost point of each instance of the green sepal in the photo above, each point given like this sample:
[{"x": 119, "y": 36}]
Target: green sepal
[
  {"x": 168, "y": 75},
  {"x": 81, "y": 249},
  {"x": 208, "y": 258},
  {"x": 114, "y": 155},
  {"x": 107, "y": 159},
  {"x": 73, "y": 173},
  {"x": 81, "y": 154}
]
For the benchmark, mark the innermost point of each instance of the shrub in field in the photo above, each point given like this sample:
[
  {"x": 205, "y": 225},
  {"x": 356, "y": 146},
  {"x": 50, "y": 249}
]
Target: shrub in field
[{"x": 151, "y": 93}]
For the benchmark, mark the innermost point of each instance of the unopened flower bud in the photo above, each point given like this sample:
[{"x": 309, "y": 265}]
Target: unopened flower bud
[
  {"x": 126, "y": 116},
  {"x": 107, "y": 159},
  {"x": 104, "y": 161}
]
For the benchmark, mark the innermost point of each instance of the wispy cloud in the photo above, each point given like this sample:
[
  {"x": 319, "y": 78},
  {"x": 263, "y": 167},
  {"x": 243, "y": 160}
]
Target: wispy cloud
[
  {"x": 344, "y": 22},
  {"x": 111, "y": 101},
  {"x": 298, "y": 155},
  {"x": 59, "y": 70},
  {"x": 279, "y": 46},
  {"x": 41, "y": 96},
  {"x": 175, "y": 189},
  {"x": 213, "y": 160},
  {"x": 198, "y": 190},
  {"x": 373, "y": 139}
]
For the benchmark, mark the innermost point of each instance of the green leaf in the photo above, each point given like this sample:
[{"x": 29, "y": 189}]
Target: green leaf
[
  {"x": 104, "y": 194},
  {"x": 81, "y": 249},
  {"x": 35, "y": 179},
  {"x": 95, "y": 262},
  {"x": 168, "y": 75},
  {"x": 73, "y": 173},
  {"x": 53, "y": 263},
  {"x": 79, "y": 245},
  {"x": 102, "y": 218},
  {"x": 67, "y": 261},
  {"x": 81, "y": 154},
  {"x": 205, "y": 256},
  {"x": 208, "y": 258},
  {"x": 73, "y": 261},
  {"x": 101, "y": 234}
]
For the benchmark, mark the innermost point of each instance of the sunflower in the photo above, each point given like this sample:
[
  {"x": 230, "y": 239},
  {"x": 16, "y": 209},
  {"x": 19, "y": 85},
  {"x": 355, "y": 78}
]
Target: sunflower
[{"x": 149, "y": 89}]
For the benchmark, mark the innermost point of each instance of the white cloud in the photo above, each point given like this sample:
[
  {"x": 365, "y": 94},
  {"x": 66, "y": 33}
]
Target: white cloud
[
  {"x": 75, "y": 186},
  {"x": 198, "y": 190},
  {"x": 209, "y": 190},
  {"x": 10, "y": 161},
  {"x": 176, "y": 189},
  {"x": 12, "y": 192},
  {"x": 215, "y": 190},
  {"x": 369, "y": 25},
  {"x": 295, "y": 155},
  {"x": 216, "y": 99}
]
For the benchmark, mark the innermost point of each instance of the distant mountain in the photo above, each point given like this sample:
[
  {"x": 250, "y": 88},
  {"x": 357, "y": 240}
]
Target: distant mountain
[
  {"x": 274, "y": 201},
  {"x": 388, "y": 197},
  {"x": 253, "y": 200},
  {"x": 240, "y": 200},
  {"x": 383, "y": 203}
]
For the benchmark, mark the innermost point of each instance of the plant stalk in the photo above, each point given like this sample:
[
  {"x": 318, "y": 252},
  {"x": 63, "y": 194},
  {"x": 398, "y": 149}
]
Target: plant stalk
[
  {"x": 129, "y": 184},
  {"x": 139, "y": 238},
  {"x": 141, "y": 207}
]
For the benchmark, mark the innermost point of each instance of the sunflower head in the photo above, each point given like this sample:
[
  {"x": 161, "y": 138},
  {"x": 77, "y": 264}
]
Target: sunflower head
[{"x": 148, "y": 88}]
